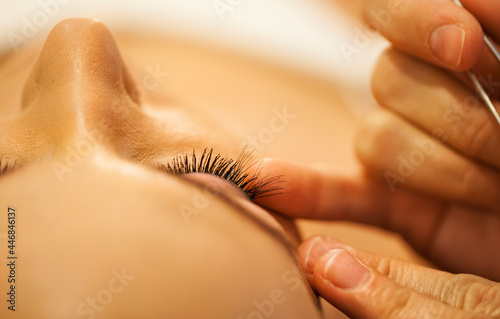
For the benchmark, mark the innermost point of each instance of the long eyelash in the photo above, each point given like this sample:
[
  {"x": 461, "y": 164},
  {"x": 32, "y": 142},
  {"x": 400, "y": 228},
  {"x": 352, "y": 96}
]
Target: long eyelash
[
  {"x": 235, "y": 171},
  {"x": 6, "y": 165}
]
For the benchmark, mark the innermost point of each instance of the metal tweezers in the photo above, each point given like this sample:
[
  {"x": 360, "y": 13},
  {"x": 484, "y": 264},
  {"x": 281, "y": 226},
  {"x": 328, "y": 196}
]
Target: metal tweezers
[{"x": 477, "y": 85}]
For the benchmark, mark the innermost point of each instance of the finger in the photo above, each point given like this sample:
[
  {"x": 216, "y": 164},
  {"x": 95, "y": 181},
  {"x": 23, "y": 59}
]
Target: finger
[
  {"x": 488, "y": 75},
  {"x": 436, "y": 102},
  {"x": 437, "y": 31},
  {"x": 453, "y": 237},
  {"x": 406, "y": 156},
  {"x": 342, "y": 195},
  {"x": 488, "y": 70},
  {"x": 315, "y": 194},
  {"x": 486, "y": 12},
  {"x": 361, "y": 292},
  {"x": 466, "y": 292}
]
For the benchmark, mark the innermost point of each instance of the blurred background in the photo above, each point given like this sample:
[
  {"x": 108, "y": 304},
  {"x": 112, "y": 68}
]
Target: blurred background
[{"x": 315, "y": 36}]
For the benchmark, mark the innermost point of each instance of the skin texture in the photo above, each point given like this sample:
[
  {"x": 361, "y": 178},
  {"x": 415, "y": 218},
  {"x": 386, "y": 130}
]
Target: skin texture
[
  {"x": 101, "y": 231},
  {"x": 356, "y": 194},
  {"x": 431, "y": 173},
  {"x": 409, "y": 25}
]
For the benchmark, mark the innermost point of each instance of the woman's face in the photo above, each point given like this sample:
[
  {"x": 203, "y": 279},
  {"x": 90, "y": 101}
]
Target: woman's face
[{"x": 100, "y": 229}]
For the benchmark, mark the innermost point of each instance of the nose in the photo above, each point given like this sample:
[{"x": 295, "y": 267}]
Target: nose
[
  {"x": 78, "y": 79},
  {"x": 79, "y": 61}
]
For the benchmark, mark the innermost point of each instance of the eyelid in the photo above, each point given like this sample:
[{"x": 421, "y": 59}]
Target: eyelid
[
  {"x": 237, "y": 198},
  {"x": 215, "y": 185},
  {"x": 242, "y": 171}
]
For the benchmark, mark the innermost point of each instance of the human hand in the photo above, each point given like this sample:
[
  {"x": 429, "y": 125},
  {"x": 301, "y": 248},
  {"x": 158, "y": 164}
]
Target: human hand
[
  {"x": 363, "y": 285},
  {"x": 437, "y": 31},
  {"x": 432, "y": 170},
  {"x": 432, "y": 174}
]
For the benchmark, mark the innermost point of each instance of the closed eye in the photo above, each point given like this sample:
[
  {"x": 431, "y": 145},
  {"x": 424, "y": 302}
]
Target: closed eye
[{"x": 235, "y": 171}]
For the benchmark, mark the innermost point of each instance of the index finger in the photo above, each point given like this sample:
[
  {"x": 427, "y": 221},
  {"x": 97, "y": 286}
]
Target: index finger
[
  {"x": 313, "y": 194},
  {"x": 438, "y": 31}
]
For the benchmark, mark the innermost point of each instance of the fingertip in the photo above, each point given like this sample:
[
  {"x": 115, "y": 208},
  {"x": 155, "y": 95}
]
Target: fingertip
[
  {"x": 439, "y": 32},
  {"x": 474, "y": 43},
  {"x": 309, "y": 252},
  {"x": 457, "y": 44},
  {"x": 386, "y": 79},
  {"x": 296, "y": 198},
  {"x": 371, "y": 137},
  {"x": 306, "y": 261},
  {"x": 313, "y": 248},
  {"x": 343, "y": 281}
]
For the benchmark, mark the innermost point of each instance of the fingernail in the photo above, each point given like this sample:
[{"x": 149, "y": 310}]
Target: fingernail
[
  {"x": 317, "y": 248},
  {"x": 344, "y": 271},
  {"x": 447, "y": 43}
]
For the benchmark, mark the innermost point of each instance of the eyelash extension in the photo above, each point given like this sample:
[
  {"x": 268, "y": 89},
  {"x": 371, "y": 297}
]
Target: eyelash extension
[
  {"x": 234, "y": 171},
  {"x": 6, "y": 165}
]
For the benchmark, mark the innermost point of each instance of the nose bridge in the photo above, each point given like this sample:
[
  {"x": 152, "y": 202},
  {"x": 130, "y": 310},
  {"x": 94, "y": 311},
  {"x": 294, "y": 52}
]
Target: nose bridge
[
  {"x": 79, "y": 78},
  {"x": 77, "y": 83},
  {"x": 79, "y": 61}
]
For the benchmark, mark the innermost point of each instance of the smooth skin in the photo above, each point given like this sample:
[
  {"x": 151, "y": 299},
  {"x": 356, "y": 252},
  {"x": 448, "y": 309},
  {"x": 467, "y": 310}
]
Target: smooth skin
[
  {"x": 431, "y": 172},
  {"x": 101, "y": 230}
]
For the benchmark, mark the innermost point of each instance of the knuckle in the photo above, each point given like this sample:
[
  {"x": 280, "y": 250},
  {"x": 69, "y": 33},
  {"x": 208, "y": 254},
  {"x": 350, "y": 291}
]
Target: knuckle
[
  {"x": 385, "y": 83},
  {"x": 397, "y": 270},
  {"x": 475, "y": 294},
  {"x": 398, "y": 303},
  {"x": 477, "y": 184},
  {"x": 384, "y": 265},
  {"x": 374, "y": 134},
  {"x": 414, "y": 305},
  {"x": 484, "y": 299},
  {"x": 402, "y": 308},
  {"x": 477, "y": 136},
  {"x": 466, "y": 184}
]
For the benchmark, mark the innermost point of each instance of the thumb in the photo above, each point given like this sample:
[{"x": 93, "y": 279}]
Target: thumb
[{"x": 362, "y": 292}]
